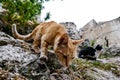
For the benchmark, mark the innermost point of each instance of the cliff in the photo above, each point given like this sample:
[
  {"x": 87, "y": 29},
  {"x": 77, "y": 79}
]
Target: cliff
[{"x": 105, "y": 33}]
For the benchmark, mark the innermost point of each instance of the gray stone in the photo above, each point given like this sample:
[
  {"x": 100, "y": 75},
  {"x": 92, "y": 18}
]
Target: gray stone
[
  {"x": 105, "y": 33},
  {"x": 72, "y": 30}
]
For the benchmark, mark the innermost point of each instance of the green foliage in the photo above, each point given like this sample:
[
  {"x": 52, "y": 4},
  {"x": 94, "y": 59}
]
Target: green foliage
[
  {"x": 92, "y": 43},
  {"x": 97, "y": 64},
  {"x": 21, "y": 10},
  {"x": 106, "y": 55}
]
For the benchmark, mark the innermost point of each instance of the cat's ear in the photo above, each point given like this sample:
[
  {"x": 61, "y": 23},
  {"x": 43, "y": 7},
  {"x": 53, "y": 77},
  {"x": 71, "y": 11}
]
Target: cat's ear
[
  {"x": 63, "y": 39},
  {"x": 77, "y": 42}
]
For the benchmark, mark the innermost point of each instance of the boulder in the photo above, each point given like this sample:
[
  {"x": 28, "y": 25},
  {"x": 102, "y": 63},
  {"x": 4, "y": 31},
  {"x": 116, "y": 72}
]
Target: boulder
[{"x": 72, "y": 30}]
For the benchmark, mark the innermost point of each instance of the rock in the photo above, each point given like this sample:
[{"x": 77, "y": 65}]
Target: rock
[
  {"x": 16, "y": 57},
  {"x": 98, "y": 74},
  {"x": 5, "y": 75},
  {"x": 89, "y": 25},
  {"x": 6, "y": 39},
  {"x": 14, "y": 53},
  {"x": 102, "y": 69},
  {"x": 115, "y": 51},
  {"x": 20, "y": 62},
  {"x": 104, "y": 33},
  {"x": 71, "y": 29}
]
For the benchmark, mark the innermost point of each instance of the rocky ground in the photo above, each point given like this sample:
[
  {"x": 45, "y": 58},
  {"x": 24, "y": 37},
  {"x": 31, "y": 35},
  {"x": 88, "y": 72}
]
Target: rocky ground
[{"x": 18, "y": 62}]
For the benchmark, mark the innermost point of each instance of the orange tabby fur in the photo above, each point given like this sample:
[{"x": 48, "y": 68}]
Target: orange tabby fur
[{"x": 51, "y": 33}]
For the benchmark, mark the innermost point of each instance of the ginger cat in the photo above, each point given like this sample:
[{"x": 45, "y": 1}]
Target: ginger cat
[{"x": 51, "y": 33}]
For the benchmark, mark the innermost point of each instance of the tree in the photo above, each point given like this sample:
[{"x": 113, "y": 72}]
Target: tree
[{"x": 22, "y": 10}]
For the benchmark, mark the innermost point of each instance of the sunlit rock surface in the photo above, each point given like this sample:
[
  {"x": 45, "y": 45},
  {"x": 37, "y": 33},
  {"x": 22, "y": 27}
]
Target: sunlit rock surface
[
  {"x": 71, "y": 29},
  {"x": 105, "y": 33}
]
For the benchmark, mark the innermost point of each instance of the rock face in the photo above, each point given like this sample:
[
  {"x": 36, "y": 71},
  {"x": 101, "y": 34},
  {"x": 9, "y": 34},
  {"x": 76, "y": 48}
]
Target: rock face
[
  {"x": 72, "y": 30},
  {"x": 105, "y": 33},
  {"x": 17, "y": 62}
]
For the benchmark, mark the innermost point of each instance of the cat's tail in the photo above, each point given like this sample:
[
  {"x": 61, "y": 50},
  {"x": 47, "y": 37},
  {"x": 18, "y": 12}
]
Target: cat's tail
[{"x": 19, "y": 36}]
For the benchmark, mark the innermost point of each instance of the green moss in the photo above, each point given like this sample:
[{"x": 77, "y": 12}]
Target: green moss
[
  {"x": 106, "y": 55},
  {"x": 82, "y": 66}
]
